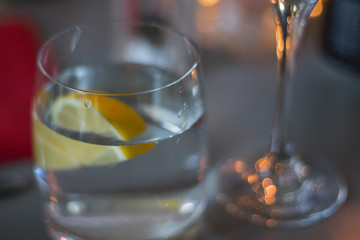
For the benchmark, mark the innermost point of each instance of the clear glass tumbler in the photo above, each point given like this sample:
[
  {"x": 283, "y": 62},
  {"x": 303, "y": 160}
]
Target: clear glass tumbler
[{"x": 119, "y": 132}]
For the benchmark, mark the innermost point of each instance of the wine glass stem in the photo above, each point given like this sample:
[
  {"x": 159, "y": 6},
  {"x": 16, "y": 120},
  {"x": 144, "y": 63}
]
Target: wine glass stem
[
  {"x": 281, "y": 112},
  {"x": 291, "y": 18}
]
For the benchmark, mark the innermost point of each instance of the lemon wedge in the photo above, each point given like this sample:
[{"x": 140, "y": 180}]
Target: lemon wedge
[
  {"x": 87, "y": 113},
  {"x": 97, "y": 114}
]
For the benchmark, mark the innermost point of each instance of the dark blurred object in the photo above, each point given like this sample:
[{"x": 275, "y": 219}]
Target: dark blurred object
[
  {"x": 18, "y": 47},
  {"x": 13, "y": 183},
  {"x": 342, "y": 33}
]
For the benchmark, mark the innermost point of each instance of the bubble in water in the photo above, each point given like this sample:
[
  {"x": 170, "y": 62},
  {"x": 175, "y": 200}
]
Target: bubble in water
[
  {"x": 192, "y": 162},
  {"x": 185, "y": 124},
  {"x": 181, "y": 89},
  {"x": 187, "y": 208},
  {"x": 179, "y": 114},
  {"x": 87, "y": 103},
  {"x": 186, "y": 106},
  {"x": 195, "y": 90},
  {"x": 75, "y": 207}
]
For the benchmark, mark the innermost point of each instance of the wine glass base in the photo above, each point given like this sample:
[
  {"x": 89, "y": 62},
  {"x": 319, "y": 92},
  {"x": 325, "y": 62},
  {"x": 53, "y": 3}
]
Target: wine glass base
[{"x": 249, "y": 192}]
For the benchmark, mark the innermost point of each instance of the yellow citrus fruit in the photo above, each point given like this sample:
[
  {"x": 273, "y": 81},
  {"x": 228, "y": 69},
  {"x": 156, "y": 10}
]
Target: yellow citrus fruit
[
  {"x": 92, "y": 114},
  {"x": 98, "y": 114}
]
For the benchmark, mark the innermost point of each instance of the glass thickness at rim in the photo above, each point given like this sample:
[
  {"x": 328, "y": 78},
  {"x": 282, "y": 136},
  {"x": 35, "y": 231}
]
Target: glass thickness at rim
[{"x": 191, "y": 49}]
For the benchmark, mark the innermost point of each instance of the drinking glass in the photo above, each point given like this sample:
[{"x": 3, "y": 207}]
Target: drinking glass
[
  {"x": 278, "y": 184},
  {"x": 119, "y": 132}
]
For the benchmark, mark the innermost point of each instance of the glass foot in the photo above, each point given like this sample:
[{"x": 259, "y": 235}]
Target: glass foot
[{"x": 296, "y": 192}]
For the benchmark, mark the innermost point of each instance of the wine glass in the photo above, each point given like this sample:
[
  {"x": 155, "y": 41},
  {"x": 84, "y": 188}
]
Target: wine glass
[{"x": 279, "y": 185}]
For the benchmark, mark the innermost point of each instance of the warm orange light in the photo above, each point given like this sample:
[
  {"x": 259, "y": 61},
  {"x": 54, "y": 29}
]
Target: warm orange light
[
  {"x": 270, "y": 190},
  {"x": 269, "y": 200},
  {"x": 267, "y": 182},
  {"x": 318, "y": 9},
  {"x": 280, "y": 41},
  {"x": 63, "y": 238},
  {"x": 205, "y": 22},
  {"x": 53, "y": 199},
  {"x": 253, "y": 178},
  {"x": 208, "y": 3},
  {"x": 194, "y": 74},
  {"x": 288, "y": 43},
  {"x": 263, "y": 164},
  {"x": 239, "y": 166},
  {"x": 281, "y": 45}
]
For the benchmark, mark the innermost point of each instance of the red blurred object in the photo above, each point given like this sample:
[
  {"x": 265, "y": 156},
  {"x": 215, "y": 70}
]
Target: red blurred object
[{"x": 18, "y": 48}]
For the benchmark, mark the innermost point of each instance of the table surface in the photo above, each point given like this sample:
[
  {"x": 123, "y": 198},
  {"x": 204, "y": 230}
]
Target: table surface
[{"x": 240, "y": 96}]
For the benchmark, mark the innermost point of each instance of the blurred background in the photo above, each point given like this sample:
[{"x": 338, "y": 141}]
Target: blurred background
[{"x": 237, "y": 44}]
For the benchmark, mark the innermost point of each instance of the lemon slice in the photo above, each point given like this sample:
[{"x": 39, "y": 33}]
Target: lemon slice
[{"x": 95, "y": 114}]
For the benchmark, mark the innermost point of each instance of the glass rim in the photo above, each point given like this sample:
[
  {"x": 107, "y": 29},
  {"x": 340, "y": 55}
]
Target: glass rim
[{"x": 51, "y": 39}]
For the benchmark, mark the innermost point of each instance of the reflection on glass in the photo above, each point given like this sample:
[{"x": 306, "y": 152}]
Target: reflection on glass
[{"x": 318, "y": 9}]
